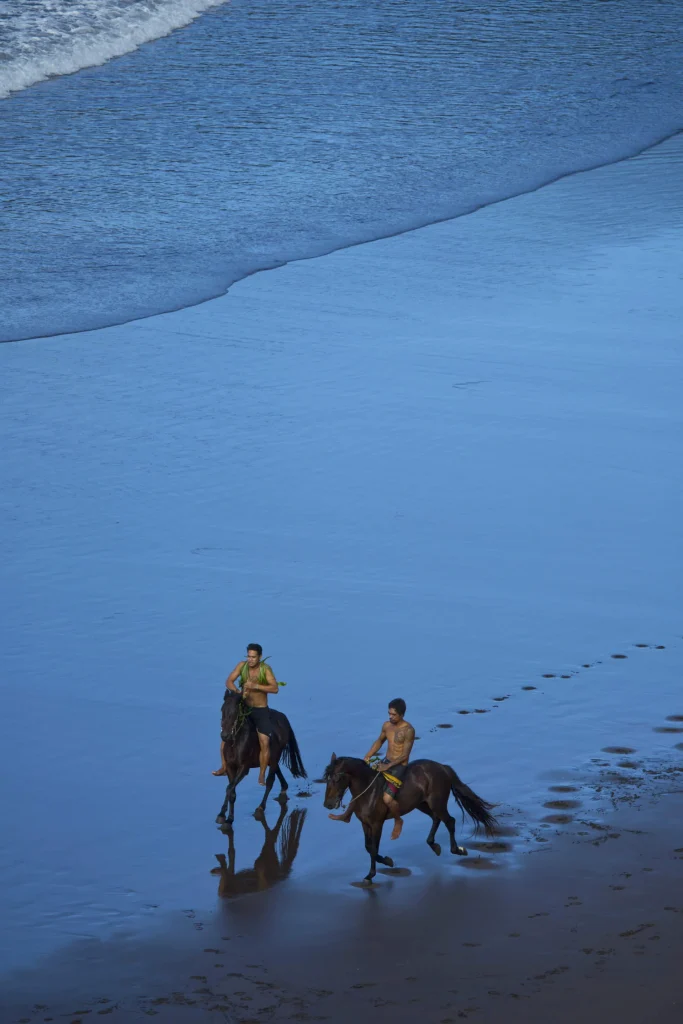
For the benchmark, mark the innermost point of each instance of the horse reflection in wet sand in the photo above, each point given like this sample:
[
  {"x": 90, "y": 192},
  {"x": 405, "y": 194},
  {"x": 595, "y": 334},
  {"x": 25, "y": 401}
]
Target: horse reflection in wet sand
[
  {"x": 427, "y": 786},
  {"x": 272, "y": 865}
]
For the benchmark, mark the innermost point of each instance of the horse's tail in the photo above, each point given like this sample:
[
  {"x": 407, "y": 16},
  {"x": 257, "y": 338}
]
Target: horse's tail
[
  {"x": 479, "y": 810},
  {"x": 291, "y": 757}
]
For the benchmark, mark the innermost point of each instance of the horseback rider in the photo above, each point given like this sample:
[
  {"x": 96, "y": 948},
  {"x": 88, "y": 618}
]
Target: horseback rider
[
  {"x": 399, "y": 736},
  {"x": 256, "y": 681}
]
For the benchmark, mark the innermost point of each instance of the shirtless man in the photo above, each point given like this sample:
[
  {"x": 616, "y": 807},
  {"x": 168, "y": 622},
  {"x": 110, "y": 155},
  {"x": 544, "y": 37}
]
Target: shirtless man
[
  {"x": 256, "y": 681},
  {"x": 399, "y": 736}
]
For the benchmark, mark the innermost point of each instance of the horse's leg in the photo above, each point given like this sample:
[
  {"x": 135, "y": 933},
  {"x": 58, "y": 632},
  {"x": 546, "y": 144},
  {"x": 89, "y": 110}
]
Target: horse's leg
[
  {"x": 425, "y": 808},
  {"x": 387, "y": 861},
  {"x": 449, "y": 822},
  {"x": 220, "y": 817},
  {"x": 372, "y": 850},
  {"x": 269, "y": 785},
  {"x": 282, "y": 797},
  {"x": 438, "y": 803},
  {"x": 230, "y": 795},
  {"x": 373, "y": 834}
]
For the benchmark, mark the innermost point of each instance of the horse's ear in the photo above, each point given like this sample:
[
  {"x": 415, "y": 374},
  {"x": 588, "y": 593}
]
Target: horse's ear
[{"x": 333, "y": 758}]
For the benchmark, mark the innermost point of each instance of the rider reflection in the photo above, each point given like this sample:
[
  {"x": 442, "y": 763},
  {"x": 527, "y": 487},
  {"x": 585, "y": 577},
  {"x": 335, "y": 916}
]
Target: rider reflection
[{"x": 274, "y": 863}]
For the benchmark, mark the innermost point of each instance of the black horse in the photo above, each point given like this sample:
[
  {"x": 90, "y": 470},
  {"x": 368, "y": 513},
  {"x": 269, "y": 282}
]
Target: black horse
[
  {"x": 427, "y": 786},
  {"x": 241, "y": 752},
  {"x": 273, "y": 864}
]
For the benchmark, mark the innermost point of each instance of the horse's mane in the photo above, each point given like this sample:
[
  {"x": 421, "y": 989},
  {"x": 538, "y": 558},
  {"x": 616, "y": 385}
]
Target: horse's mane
[{"x": 331, "y": 766}]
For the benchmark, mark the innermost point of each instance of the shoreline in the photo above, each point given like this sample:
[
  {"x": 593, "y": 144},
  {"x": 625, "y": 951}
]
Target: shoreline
[{"x": 398, "y": 233}]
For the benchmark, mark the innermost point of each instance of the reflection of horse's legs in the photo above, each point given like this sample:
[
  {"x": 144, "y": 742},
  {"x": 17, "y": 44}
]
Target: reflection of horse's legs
[
  {"x": 425, "y": 808},
  {"x": 226, "y": 869},
  {"x": 283, "y": 784},
  {"x": 230, "y": 794}
]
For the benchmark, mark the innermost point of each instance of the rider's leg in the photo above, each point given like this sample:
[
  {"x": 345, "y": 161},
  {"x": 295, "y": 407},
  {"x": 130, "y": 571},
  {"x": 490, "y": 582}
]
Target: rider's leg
[
  {"x": 346, "y": 816},
  {"x": 395, "y": 813},
  {"x": 222, "y": 770},
  {"x": 264, "y": 757}
]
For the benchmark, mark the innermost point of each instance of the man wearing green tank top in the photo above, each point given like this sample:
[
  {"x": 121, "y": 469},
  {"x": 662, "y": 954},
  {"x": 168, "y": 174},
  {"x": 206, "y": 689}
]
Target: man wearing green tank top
[{"x": 256, "y": 681}]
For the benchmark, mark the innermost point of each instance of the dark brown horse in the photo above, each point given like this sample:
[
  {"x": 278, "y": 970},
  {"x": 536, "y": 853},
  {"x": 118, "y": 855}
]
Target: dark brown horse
[
  {"x": 239, "y": 734},
  {"x": 427, "y": 786},
  {"x": 272, "y": 865}
]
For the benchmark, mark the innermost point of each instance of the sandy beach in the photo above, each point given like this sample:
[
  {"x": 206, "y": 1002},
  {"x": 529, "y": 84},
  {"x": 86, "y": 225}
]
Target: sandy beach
[{"x": 443, "y": 466}]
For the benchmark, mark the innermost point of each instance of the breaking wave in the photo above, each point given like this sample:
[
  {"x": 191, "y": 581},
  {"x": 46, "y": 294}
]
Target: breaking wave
[{"x": 42, "y": 39}]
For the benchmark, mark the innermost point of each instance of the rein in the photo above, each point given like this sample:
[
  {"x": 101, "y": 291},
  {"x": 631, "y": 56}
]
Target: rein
[{"x": 353, "y": 799}]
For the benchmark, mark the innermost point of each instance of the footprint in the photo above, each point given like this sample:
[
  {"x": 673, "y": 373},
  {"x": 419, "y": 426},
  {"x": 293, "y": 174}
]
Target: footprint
[
  {"x": 562, "y": 805},
  {"x": 562, "y": 789},
  {"x": 619, "y": 750},
  {"x": 505, "y": 830},
  {"x": 628, "y": 764},
  {"x": 635, "y": 931},
  {"x": 674, "y": 718},
  {"x": 586, "y": 666},
  {"x": 528, "y": 687},
  {"x": 507, "y": 698},
  {"x": 549, "y": 675},
  {"x": 491, "y": 847},
  {"x": 620, "y": 655},
  {"x": 444, "y": 725},
  {"x": 483, "y": 711},
  {"x": 565, "y": 677},
  {"x": 464, "y": 712},
  {"x": 641, "y": 645},
  {"x": 668, "y": 728},
  {"x": 557, "y": 819},
  {"x": 478, "y": 864},
  {"x": 660, "y": 647}
]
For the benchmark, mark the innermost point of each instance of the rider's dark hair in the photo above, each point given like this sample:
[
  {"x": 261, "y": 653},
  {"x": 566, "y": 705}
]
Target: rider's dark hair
[
  {"x": 255, "y": 647},
  {"x": 398, "y": 705}
]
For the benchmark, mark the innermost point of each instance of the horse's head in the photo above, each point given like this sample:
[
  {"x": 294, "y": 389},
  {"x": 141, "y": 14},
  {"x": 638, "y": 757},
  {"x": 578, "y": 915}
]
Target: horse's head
[
  {"x": 230, "y": 713},
  {"x": 337, "y": 779}
]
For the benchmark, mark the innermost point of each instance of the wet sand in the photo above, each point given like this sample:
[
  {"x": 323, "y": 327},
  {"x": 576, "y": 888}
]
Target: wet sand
[{"x": 588, "y": 921}]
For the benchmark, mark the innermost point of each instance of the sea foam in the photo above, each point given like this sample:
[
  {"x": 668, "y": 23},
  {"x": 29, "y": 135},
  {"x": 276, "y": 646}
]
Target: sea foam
[{"x": 42, "y": 39}]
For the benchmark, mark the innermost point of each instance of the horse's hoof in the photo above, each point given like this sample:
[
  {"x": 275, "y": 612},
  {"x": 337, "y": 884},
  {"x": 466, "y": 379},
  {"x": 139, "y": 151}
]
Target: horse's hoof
[
  {"x": 282, "y": 797},
  {"x": 367, "y": 882},
  {"x": 436, "y": 847},
  {"x": 388, "y": 862},
  {"x": 460, "y": 851},
  {"x": 220, "y": 819}
]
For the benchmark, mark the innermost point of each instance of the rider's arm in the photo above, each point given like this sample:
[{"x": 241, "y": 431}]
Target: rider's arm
[
  {"x": 235, "y": 674},
  {"x": 376, "y": 746},
  {"x": 270, "y": 685}
]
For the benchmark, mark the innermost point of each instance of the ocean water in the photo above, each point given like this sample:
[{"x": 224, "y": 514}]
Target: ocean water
[{"x": 264, "y": 131}]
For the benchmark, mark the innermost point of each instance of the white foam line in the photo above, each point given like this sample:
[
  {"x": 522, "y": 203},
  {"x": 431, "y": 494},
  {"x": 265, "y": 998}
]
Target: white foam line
[{"x": 78, "y": 49}]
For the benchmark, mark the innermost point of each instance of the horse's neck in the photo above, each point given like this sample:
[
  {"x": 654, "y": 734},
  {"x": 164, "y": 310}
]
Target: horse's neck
[{"x": 360, "y": 777}]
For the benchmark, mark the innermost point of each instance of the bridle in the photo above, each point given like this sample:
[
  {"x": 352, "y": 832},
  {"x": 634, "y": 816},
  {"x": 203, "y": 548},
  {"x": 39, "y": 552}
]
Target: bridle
[{"x": 338, "y": 776}]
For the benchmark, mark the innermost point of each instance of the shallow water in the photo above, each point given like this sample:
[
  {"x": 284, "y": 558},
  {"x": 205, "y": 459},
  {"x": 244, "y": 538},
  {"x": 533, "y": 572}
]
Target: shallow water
[
  {"x": 266, "y": 131},
  {"x": 376, "y": 465}
]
